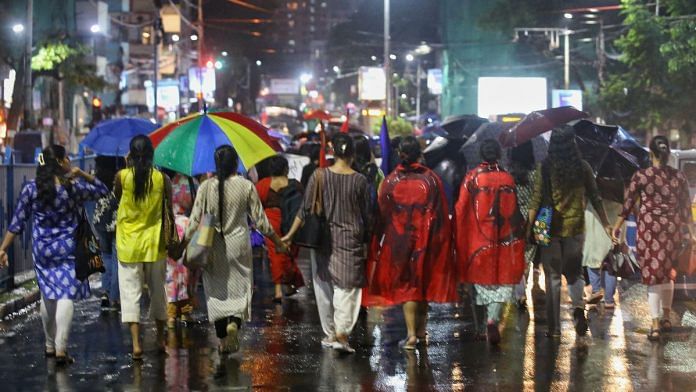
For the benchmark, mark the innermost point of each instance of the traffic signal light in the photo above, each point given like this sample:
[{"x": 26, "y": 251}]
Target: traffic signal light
[{"x": 96, "y": 110}]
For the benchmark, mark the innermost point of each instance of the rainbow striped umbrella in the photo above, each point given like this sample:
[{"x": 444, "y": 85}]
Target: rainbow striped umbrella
[{"x": 188, "y": 145}]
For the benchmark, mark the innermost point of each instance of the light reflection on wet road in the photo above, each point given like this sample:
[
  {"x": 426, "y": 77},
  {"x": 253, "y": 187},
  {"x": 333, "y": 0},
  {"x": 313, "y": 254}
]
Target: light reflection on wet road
[{"x": 281, "y": 350}]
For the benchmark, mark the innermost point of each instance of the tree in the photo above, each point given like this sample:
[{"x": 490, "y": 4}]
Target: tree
[
  {"x": 652, "y": 89},
  {"x": 66, "y": 62},
  {"x": 397, "y": 127}
]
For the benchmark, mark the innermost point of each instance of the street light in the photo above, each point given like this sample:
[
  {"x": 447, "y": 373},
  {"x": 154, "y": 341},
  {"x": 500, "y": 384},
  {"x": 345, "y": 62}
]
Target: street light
[
  {"x": 258, "y": 63},
  {"x": 568, "y": 15},
  {"x": 373, "y": 58},
  {"x": 224, "y": 53},
  {"x": 305, "y": 78},
  {"x": 95, "y": 28},
  {"x": 409, "y": 57},
  {"x": 18, "y": 28},
  {"x": 175, "y": 37},
  {"x": 194, "y": 37},
  {"x": 336, "y": 69},
  {"x": 392, "y": 56}
]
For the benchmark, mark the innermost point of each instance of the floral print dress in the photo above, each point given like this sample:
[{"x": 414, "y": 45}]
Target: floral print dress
[{"x": 665, "y": 210}]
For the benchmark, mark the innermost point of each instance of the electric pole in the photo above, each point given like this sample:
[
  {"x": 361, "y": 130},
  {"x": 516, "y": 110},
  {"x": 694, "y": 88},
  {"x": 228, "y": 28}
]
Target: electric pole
[{"x": 28, "y": 96}]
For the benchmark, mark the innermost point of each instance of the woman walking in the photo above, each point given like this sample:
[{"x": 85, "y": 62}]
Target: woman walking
[
  {"x": 143, "y": 193},
  {"x": 281, "y": 199},
  {"x": 339, "y": 273},
  {"x": 414, "y": 264},
  {"x": 54, "y": 203},
  {"x": 490, "y": 244},
  {"x": 664, "y": 219},
  {"x": 568, "y": 182},
  {"x": 228, "y": 274}
]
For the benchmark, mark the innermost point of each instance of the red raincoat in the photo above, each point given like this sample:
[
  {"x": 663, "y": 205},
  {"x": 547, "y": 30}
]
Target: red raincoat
[
  {"x": 490, "y": 232},
  {"x": 411, "y": 253}
]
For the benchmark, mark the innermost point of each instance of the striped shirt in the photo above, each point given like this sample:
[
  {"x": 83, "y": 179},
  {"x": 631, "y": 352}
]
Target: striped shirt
[{"x": 346, "y": 202}]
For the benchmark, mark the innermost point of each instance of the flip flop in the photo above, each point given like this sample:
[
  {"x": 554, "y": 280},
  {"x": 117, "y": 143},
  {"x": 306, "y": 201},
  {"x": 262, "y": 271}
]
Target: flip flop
[
  {"x": 63, "y": 360},
  {"x": 405, "y": 345},
  {"x": 137, "y": 356}
]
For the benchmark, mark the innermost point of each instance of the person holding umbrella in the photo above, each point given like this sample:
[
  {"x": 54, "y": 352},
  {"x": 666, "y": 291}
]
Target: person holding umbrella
[
  {"x": 228, "y": 274},
  {"x": 568, "y": 183}
]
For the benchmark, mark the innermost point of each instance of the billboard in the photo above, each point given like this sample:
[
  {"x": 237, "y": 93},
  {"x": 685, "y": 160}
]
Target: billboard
[
  {"x": 372, "y": 84},
  {"x": 284, "y": 87},
  {"x": 502, "y": 95},
  {"x": 167, "y": 95},
  {"x": 435, "y": 81},
  {"x": 202, "y": 80},
  {"x": 566, "y": 98}
]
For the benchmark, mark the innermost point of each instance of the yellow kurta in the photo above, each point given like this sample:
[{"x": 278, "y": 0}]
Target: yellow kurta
[{"x": 138, "y": 224}]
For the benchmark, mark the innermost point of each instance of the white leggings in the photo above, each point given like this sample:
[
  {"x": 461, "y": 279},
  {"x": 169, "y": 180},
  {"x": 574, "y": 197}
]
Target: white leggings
[
  {"x": 660, "y": 297},
  {"x": 56, "y": 317}
]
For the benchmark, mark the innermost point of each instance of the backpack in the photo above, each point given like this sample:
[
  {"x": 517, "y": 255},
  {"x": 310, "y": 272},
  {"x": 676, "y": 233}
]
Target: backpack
[{"x": 291, "y": 202}]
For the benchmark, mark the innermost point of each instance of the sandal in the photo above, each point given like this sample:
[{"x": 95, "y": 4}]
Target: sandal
[
  {"x": 62, "y": 360},
  {"x": 654, "y": 335},
  {"x": 404, "y": 344},
  {"x": 49, "y": 354},
  {"x": 665, "y": 326},
  {"x": 137, "y": 356}
]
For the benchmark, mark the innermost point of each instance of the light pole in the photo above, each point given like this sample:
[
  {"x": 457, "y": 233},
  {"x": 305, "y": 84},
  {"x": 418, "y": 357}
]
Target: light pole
[{"x": 27, "y": 64}]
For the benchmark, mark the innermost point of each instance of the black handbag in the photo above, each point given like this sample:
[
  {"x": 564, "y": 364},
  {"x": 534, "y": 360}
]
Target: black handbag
[
  {"x": 88, "y": 258},
  {"x": 315, "y": 230},
  {"x": 621, "y": 263}
]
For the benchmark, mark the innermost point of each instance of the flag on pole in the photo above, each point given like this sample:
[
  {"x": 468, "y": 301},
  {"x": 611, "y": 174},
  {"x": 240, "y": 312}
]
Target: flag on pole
[
  {"x": 322, "y": 152},
  {"x": 345, "y": 126},
  {"x": 385, "y": 146}
]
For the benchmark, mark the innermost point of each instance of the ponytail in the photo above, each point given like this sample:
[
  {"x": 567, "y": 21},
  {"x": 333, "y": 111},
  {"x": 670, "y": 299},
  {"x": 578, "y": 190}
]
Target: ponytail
[{"x": 47, "y": 171}]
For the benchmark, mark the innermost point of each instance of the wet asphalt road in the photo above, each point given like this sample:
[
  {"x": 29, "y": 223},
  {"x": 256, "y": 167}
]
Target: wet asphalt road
[{"x": 281, "y": 351}]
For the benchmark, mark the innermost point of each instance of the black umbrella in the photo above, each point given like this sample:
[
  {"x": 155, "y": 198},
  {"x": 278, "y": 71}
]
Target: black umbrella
[
  {"x": 613, "y": 154},
  {"x": 529, "y": 152},
  {"x": 462, "y": 126}
]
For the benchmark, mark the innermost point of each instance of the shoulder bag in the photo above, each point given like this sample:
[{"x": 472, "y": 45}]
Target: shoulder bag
[
  {"x": 88, "y": 258},
  {"x": 202, "y": 240},
  {"x": 541, "y": 229},
  {"x": 315, "y": 230}
]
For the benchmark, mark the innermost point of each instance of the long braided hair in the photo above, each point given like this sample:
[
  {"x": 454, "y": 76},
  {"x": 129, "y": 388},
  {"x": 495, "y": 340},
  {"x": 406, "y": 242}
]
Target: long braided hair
[
  {"x": 564, "y": 159},
  {"x": 226, "y": 161}
]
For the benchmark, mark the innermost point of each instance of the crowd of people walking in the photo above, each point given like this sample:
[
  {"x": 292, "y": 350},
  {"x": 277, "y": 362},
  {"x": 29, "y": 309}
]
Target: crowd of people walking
[{"x": 377, "y": 239}]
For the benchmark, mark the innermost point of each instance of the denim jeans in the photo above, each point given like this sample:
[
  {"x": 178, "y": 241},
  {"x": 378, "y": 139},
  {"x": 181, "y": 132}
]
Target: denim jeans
[
  {"x": 604, "y": 280},
  {"x": 107, "y": 243}
]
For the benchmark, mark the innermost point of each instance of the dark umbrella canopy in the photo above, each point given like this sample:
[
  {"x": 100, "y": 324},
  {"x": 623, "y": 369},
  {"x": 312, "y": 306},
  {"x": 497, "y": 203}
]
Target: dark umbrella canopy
[
  {"x": 538, "y": 122},
  {"x": 463, "y": 126},
  {"x": 613, "y": 154},
  {"x": 535, "y": 151}
]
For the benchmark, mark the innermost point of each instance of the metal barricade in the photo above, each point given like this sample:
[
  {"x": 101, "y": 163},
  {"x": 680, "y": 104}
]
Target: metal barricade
[{"x": 12, "y": 179}]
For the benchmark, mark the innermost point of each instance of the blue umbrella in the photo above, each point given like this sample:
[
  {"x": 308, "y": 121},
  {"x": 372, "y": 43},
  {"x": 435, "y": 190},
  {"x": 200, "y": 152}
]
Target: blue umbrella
[{"x": 112, "y": 137}]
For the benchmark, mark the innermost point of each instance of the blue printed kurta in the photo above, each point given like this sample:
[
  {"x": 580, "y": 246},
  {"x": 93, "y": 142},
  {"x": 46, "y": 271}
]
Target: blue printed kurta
[{"x": 53, "y": 235}]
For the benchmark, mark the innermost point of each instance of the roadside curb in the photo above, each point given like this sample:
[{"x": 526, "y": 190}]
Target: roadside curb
[{"x": 18, "y": 304}]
